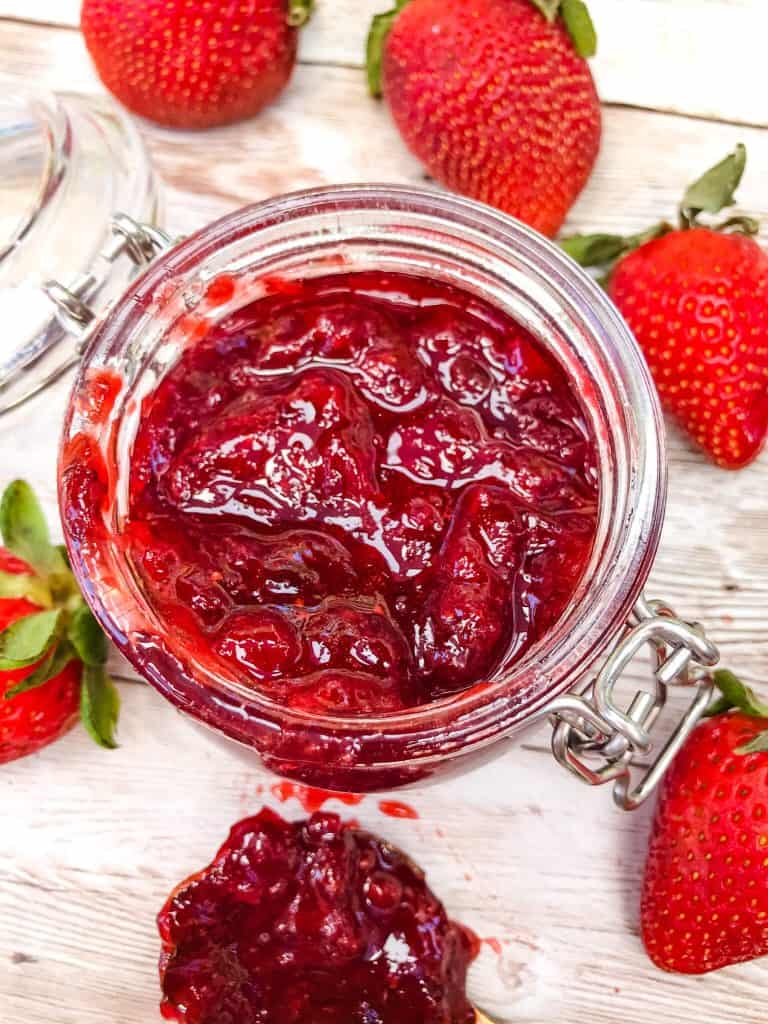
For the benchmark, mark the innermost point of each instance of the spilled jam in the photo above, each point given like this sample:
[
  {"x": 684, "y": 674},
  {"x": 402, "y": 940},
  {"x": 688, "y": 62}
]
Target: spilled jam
[{"x": 362, "y": 493}]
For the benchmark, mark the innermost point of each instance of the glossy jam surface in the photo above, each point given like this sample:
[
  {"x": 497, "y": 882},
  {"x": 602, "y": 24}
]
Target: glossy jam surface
[
  {"x": 362, "y": 493},
  {"x": 312, "y": 922}
]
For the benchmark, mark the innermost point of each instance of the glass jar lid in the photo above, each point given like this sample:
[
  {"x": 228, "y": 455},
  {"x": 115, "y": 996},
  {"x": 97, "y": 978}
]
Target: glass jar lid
[{"x": 68, "y": 165}]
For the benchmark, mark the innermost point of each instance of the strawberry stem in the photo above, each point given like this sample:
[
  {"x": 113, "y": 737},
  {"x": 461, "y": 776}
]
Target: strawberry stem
[
  {"x": 299, "y": 12},
  {"x": 740, "y": 225},
  {"x": 735, "y": 695}
]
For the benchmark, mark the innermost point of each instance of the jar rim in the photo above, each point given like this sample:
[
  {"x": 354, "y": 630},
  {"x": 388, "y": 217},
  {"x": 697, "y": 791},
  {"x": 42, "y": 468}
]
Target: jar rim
[{"x": 493, "y": 707}]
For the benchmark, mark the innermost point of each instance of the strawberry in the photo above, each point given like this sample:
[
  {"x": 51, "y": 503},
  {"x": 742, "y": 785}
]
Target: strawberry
[
  {"x": 705, "y": 891},
  {"x": 194, "y": 63},
  {"x": 52, "y": 651},
  {"x": 494, "y": 97},
  {"x": 696, "y": 298}
]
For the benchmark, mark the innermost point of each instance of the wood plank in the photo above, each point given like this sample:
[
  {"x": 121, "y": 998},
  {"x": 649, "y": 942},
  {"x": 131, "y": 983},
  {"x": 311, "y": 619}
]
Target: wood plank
[
  {"x": 654, "y": 54},
  {"x": 84, "y": 870}
]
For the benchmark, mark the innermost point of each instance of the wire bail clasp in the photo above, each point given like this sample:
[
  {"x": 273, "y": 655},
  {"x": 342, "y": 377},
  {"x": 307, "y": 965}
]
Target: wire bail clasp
[
  {"x": 57, "y": 313},
  {"x": 598, "y": 741}
]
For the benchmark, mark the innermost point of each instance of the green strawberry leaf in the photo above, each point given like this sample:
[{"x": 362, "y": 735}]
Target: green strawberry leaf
[
  {"x": 580, "y": 27},
  {"x": 23, "y": 526},
  {"x": 604, "y": 250},
  {"x": 715, "y": 189},
  {"x": 735, "y": 695},
  {"x": 85, "y": 635},
  {"x": 759, "y": 745},
  {"x": 24, "y": 532},
  {"x": 28, "y": 639},
  {"x": 299, "y": 12},
  {"x": 375, "y": 44},
  {"x": 594, "y": 250},
  {"x": 99, "y": 705},
  {"x": 56, "y": 661},
  {"x": 62, "y": 550},
  {"x": 18, "y": 585},
  {"x": 549, "y": 8},
  {"x": 717, "y": 707}
]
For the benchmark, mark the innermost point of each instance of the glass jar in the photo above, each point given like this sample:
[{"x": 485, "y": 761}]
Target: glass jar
[
  {"x": 459, "y": 242},
  {"x": 68, "y": 164}
]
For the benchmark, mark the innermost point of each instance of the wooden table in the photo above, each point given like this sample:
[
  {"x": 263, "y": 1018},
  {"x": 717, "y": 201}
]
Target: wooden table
[{"x": 545, "y": 870}]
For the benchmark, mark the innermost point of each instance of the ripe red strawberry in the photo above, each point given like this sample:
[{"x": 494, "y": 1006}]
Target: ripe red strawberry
[
  {"x": 52, "y": 652},
  {"x": 194, "y": 63},
  {"x": 494, "y": 97},
  {"x": 705, "y": 892},
  {"x": 696, "y": 299},
  {"x": 36, "y": 718}
]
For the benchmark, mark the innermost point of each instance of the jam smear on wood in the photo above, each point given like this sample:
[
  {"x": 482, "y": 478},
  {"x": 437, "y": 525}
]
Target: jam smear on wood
[{"x": 311, "y": 922}]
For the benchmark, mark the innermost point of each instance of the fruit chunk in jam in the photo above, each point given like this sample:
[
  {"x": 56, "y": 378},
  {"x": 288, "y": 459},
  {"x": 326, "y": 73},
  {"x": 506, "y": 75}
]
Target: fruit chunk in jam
[
  {"x": 311, "y": 922},
  {"x": 362, "y": 493}
]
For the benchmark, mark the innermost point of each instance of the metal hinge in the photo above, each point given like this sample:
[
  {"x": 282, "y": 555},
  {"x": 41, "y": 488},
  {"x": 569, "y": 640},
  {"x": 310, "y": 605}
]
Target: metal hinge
[
  {"x": 598, "y": 741},
  {"x": 41, "y": 358}
]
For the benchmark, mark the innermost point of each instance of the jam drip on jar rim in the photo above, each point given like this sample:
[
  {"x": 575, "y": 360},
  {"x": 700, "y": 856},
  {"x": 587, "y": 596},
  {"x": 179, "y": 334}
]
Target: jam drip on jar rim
[{"x": 362, "y": 493}]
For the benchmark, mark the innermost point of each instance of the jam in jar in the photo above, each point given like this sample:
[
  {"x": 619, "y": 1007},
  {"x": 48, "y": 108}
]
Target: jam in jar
[{"x": 361, "y": 493}]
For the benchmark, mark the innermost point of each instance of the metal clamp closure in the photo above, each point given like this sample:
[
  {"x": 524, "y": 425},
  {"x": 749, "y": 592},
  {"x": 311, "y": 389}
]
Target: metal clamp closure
[
  {"x": 141, "y": 242},
  {"x": 599, "y": 741},
  {"x": 60, "y": 326}
]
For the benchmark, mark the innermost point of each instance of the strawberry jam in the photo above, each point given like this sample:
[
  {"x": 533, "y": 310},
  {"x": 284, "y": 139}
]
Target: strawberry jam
[
  {"x": 312, "y": 922},
  {"x": 362, "y": 493}
]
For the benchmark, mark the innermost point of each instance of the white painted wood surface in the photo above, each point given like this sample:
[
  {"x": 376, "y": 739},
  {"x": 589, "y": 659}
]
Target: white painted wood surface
[{"x": 91, "y": 843}]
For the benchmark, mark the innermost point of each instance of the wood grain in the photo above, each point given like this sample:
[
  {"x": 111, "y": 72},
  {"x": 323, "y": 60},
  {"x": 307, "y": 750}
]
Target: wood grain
[
  {"x": 686, "y": 56},
  {"x": 91, "y": 843}
]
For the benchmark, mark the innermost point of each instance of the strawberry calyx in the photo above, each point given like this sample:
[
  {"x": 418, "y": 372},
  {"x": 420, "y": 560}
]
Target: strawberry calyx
[
  {"x": 59, "y": 628},
  {"x": 16, "y": 585},
  {"x": 734, "y": 695},
  {"x": 604, "y": 250},
  {"x": 715, "y": 189},
  {"x": 712, "y": 192},
  {"x": 299, "y": 12},
  {"x": 578, "y": 22},
  {"x": 575, "y": 15},
  {"x": 381, "y": 25}
]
